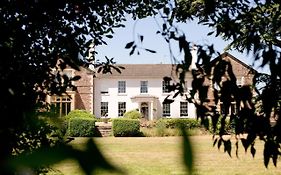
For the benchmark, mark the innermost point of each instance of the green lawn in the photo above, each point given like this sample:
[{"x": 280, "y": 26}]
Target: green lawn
[{"x": 162, "y": 155}]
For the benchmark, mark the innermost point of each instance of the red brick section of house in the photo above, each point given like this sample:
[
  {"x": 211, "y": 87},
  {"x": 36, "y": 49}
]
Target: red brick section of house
[
  {"x": 243, "y": 73},
  {"x": 85, "y": 89},
  {"x": 240, "y": 69}
]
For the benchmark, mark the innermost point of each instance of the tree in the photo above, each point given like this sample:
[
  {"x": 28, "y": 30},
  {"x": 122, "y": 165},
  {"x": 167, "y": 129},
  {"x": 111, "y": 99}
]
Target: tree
[
  {"x": 252, "y": 26},
  {"x": 38, "y": 40}
]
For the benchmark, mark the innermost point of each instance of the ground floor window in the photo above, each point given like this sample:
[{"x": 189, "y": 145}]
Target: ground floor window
[
  {"x": 166, "y": 110},
  {"x": 183, "y": 108},
  {"x": 104, "y": 109},
  {"x": 62, "y": 104},
  {"x": 121, "y": 108},
  {"x": 231, "y": 110}
]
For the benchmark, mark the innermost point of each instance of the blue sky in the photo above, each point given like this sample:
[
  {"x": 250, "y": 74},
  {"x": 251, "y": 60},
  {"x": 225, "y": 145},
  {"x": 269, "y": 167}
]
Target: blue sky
[{"x": 148, "y": 27}]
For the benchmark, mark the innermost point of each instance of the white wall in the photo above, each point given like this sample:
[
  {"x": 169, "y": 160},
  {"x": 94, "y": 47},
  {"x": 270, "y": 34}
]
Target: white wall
[{"x": 133, "y": 89}]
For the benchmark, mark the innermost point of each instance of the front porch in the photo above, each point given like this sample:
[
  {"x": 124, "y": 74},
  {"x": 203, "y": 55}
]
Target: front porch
[{"x": 147, "y": 106}]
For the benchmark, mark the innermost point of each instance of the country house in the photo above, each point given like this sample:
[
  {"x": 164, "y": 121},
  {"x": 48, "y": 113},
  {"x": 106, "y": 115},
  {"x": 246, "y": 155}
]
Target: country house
[{"x": 139, "y": 87}]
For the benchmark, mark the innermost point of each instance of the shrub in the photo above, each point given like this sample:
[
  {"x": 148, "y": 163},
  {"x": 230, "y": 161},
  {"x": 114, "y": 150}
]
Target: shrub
[
  {"x": 81, "y": 127},
  {"x": 161, "y": 128},
  {"x": 77, "y": 113},
  {"x": 133, "y": 114},
  {"x": 179, "y": 123},
  {"x": 126, "y": 127}
]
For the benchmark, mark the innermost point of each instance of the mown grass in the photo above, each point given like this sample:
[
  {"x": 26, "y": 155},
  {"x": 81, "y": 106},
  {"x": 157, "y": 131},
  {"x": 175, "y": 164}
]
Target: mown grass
[{"x": 163, "y": 155}]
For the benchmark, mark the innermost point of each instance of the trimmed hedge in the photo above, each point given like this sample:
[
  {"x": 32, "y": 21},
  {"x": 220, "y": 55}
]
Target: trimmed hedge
[
  {"x": 126, "y": 127},
  {"x": 133, "y": 114},
  {"x": 178, "y": 123},
  {"x": 81, "y": 127},
  {"x": 77, "y": 113}
]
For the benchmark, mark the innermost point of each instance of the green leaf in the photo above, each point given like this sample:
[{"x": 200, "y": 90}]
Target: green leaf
[
  {"x": 109, "y": 36},
  {"x": 129, "y": 45},
  {"x": 215, "y": 141},
  {"x": 266, "y": 154},
  {"x": 77, "y": 77},
  {"x": 166, "y": 10},
  {"x": 133, "y": 50},
  {"x": 168, "y": 101},
  {"x": 167, "y": 78},
  {"x": 227, "y": 147},
  {"x": 253, "y": 150},
  {"x": 141, "y": 38},
  {"x": 164, "y": 27},
  {"x": 149, "y": 50},
  {"x": 117, "y": 69},
  {"x": 210, "y": 33},
  {"x": 187, "y": 152},
  {"x": 245, "y": 144},
  {"x": 219, "y": 143},
  {"x": 99, "y": 69}
]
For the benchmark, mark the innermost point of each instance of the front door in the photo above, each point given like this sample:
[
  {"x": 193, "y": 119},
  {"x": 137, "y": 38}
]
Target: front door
[{"x": 144, "y": 110}]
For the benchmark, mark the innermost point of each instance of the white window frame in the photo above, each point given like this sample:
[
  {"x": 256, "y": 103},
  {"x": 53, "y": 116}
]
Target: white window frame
[
  {"x": 121, "y": 108},
  {"x": 121, "y": 87},
  {"x": 62, "y": 103},
  {"x": 104, "y": 109},
  {"x": 165, "y": 84},
  {"x": 166, "y": 110},
  {"x": 183, "y": 108},
  {"x": 144, "y": 87}
]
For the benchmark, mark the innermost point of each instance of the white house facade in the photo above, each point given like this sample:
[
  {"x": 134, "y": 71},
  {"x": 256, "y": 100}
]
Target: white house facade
[{"x": 139, "y": 87}]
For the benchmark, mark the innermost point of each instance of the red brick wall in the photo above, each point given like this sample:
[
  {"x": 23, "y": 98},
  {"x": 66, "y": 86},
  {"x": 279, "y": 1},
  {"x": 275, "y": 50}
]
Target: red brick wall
[
  {"x": 241, "y": 71},
  {"x": 84, "y": 93}
]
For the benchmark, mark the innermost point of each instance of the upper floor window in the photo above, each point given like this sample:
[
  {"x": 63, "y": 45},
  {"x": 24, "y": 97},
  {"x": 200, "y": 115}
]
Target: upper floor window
[
  {"x": 62, "y": 104},
  {"x": 165, "y": 85},
  {"x": 183, "y": 108},
  {"x": 166, "y": 110},
  {"x": 121, "y": 108},
  {"x": 121, "y": 86},
  {"x": 185, "y": 86},
  {"x": 143, "y": 86}
]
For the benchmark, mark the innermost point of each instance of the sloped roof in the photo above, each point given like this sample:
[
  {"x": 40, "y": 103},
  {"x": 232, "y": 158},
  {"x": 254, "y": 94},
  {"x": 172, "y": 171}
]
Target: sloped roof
[
  {"x": 140, "y": 70},
  {"x": 226, "y": 54},
  {"x": 159, "y": 70}
]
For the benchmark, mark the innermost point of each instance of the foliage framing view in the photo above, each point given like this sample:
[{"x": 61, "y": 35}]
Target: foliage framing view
[
  {"x": 251, "y": 26},
  {"x": 40, "y": 38}
]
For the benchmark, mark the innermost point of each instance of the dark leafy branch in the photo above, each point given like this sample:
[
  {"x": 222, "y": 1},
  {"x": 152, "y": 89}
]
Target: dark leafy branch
[
  {"x": 39, "y": 39},
  {"x": 252, "y": 26}
]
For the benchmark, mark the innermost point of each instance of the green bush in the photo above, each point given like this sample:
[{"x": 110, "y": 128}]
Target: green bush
[
  {"x": 161, "y": 128},
  {"x": 179, "y": 123},
  {"x": 126, "y": 127},
  {"x": 133, "y": 114},
  {"x": 81, "y": 127},
  {"x": 77, "y": 113}
]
